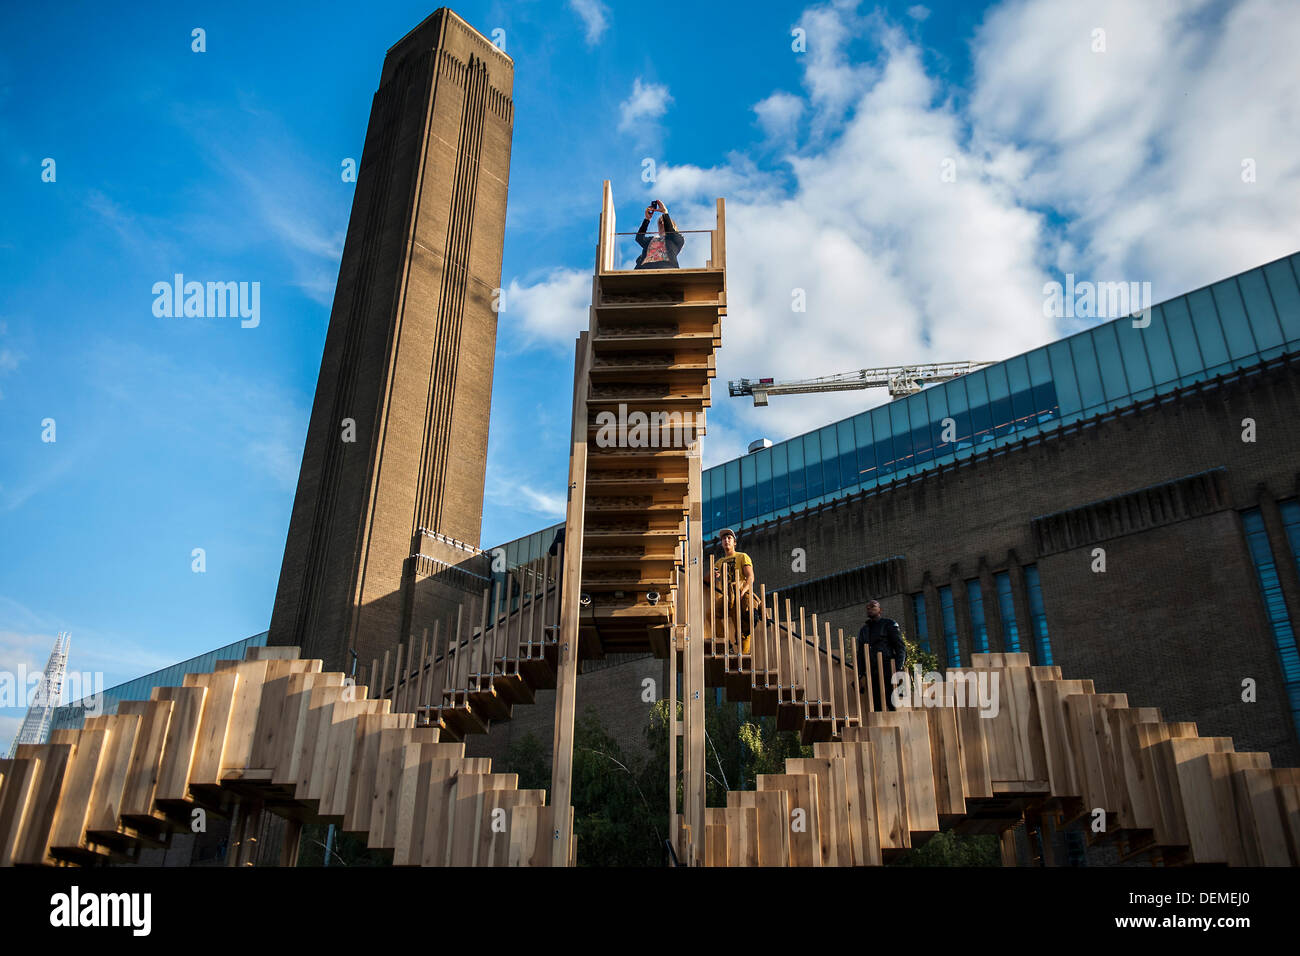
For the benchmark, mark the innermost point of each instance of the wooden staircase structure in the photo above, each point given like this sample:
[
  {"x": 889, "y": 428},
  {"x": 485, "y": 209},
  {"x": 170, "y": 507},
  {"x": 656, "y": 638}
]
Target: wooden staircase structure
[
  {"x": 273, "y": 734},
  {"x": 1050, "y": 747}
]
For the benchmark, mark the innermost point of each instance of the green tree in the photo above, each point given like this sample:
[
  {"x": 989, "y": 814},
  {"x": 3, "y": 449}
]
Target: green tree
[{"x": 951, "y": 849}]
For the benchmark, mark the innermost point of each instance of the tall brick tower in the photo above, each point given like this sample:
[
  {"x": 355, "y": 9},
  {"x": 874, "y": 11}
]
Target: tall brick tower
[{"x": 391, "y": 486}]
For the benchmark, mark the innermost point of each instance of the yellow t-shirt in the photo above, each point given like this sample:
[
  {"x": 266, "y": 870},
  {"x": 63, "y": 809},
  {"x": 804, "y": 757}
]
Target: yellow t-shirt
[{"x": 738, "y": 561}]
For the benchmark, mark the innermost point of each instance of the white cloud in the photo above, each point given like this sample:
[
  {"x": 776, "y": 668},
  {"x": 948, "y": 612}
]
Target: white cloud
[
  {"x": 1140, "y": 147},
  {"x": 778, "y": 115},
  {"x": 833, "y": 82},
  {"x": 896, "y": 264},
  {"x": 511, "y": 491},
  {"x": 918, "y": 12},
  {"x": 647, "y": 103},
  {"x": 550, "y": 312},
  {"x": 594, "y": 16}
]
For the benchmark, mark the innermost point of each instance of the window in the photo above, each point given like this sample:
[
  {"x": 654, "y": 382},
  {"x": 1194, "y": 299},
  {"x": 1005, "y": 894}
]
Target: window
[
  {"x": 1156, "y": 338},
  {"x": 812, "y": 461},
  {"x": 1187, "y": 353},
  {"x": 748, "y": 487},
  {"x": 884, "y": 447},
  {"x": 1067, "y": 389},
  {"x": 977, "y": 392},
  {"x": 937, "y": 410},
  {"x": 1275, "y": 608},
  {"x": 1087, "y": 374},
  {"x": 1291, "y": 522},
  {"x": 1114, "y": 384},
  {"x": 979, "y": 630},
  {"x": 780, "y": 478},
  {"x": 1133, "y": 350},
  {"x": 1236, "y": 329},
  {"x": 949, "y": 626},
  {"x": 848, "y": 467},
  {"x": 1259, "y": 309},
  {"x": 1022, "y": 399},
  {"x": 1000, "y": 400},
  {"x": 1286, "y": 297},
  {"x": 763, "y": 466},
  {"x": 1205, "y": 319},
  {"x": 1037, "y": 615},
  {"x": 959, "y": 412},
  {"x": 1007, "y": 609},
  {"x": 901, "y": 431},
  {"x": 731, "y": 474},
  {"x": 866, "y": 448},
  {"x": 922, "y": 627}
]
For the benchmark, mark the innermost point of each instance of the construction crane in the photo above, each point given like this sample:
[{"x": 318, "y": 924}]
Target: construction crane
[
  {"x": 899, "y": 379},
  {"x": 36, "y": 725}
]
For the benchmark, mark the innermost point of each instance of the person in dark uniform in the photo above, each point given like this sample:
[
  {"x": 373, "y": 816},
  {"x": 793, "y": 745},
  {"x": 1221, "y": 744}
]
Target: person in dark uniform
[
  {"x": 660, "y": 251},
  {"x": 880, "y": 635}
]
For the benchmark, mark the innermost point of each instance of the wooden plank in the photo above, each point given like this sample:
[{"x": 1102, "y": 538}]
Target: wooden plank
[
  {"x": 67, "y": 831},
  {"x": 218, "y": 705},
  {"x": 859, "y": 798},
  {"x": 742, "y": 836},
  {"x": 16, "y": 800},
  {"x": 289, "y": 739},
  {"x": 145, "y": 768},
  {"x": 333, "y": 775},
  {"x": 1158, "y": 765},
  {"x": 772, "y": 827},
  {"x": 693, "y": 759},
  {"x": 182, "y": 743},
  {"x": 1138, "y": 796},
  {"x": 244, "y": 708},
  {"x": 34, "y": 836},
  {"x": 918, "y": 761},
  {"x": 494, "y": 841},
  {"x": 891, "y": 787},
  {"x": 1232, "y": 804},
  {"x": 103, "y": 821},
  {"x": 1263, "y": 827},
  {"x": 567, "y": 676},
  {"x": 949, "y": 772},
  {"x": 829, "y": 798}
]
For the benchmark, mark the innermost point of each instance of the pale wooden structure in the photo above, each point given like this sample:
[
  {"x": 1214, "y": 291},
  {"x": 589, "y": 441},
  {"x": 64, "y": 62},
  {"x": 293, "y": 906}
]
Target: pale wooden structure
[{"x": 274, "y": 735}]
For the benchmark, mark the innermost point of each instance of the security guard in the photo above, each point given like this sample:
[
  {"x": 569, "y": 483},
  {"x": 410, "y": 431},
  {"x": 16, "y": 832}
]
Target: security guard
[{"x": 880, "y": 635}]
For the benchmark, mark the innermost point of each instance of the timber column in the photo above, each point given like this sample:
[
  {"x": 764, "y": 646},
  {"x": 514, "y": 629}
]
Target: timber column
[{"x": 391, "y": 487}]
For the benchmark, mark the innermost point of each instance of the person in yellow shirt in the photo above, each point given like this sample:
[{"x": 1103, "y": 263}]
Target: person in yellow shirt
[{"x": 740, "y": 582}]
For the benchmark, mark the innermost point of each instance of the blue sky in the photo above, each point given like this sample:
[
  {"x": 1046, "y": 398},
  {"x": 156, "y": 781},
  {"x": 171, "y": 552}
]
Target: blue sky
[{"x": 1123, "y": 162}]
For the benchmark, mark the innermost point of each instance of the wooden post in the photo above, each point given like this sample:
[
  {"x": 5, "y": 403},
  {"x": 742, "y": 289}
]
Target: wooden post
[
  {"x": 693, "y": 777},
  {"x": 683, "y": 589},
  {"x": 566, "y": 678}
]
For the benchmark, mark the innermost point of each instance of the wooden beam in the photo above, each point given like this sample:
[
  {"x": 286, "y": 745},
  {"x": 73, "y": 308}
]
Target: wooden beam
[
  {"x": 693, "y": 785},
  {"x": 566, "y": 678}
]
